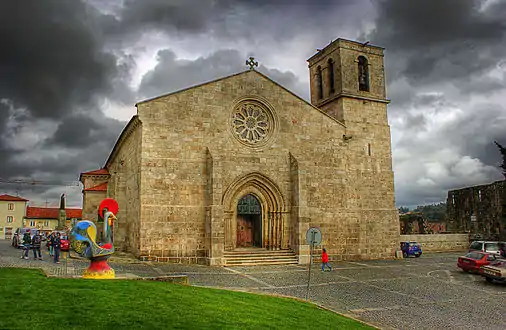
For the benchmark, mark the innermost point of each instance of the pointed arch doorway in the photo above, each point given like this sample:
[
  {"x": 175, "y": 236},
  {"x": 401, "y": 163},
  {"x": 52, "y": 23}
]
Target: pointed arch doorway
[
  {"x": 249, "y": 222},
  {"x": 273, "y": 230}
]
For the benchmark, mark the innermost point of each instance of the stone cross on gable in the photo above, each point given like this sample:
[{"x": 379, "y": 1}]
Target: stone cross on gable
[{"x": 251, "y": 62}]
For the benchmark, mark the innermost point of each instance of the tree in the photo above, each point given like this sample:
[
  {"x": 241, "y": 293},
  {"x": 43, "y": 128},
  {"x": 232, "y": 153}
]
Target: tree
[{"x": 503, "y": 153}]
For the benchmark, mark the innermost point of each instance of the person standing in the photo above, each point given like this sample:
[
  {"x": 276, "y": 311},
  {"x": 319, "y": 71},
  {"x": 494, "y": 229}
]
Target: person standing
[
  {"x": 27, "y": 240},
  {"x": 325, "y": 260},
  {"x": 36, "y": 242},
  {"x": 56, "y": 243},
  {"x": 50, "y": 244}
]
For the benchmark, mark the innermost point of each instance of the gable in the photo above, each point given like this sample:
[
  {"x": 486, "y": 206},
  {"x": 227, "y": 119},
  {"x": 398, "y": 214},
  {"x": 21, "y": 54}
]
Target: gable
[{"x": 236, "y": 79}]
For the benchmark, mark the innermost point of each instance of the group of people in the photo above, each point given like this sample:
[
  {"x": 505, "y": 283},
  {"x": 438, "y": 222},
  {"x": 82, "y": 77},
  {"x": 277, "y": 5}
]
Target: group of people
[{"x": 35, "y": 243}]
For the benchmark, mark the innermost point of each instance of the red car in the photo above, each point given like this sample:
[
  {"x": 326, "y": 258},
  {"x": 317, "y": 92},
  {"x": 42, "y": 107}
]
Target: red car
[
  {"x": 65, "y": 243},
  {"x": 472, "y": 261}
]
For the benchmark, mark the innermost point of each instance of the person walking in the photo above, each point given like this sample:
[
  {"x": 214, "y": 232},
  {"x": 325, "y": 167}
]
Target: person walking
[
  {"x": 27, "y": 240},
  {"x": 50, "y": 244},
  {"x": 36, "y": 242},
  {"x": 56, "y": 243},
  {"x": 325, "y": 260}
]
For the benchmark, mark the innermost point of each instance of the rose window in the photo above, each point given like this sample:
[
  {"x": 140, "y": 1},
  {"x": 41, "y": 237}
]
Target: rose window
[{"x": 251, "y": 123}]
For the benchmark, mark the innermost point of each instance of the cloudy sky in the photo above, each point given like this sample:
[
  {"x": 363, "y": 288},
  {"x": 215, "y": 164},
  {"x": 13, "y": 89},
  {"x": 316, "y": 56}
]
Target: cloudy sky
[{"x": 71, "y": 71}]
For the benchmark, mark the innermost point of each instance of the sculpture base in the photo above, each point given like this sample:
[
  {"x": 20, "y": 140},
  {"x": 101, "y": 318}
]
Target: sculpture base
[{"x": 99, "y": 269}]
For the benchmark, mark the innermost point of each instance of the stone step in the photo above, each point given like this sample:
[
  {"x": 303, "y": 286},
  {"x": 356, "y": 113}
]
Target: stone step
[
  {"x": 257, "y": 257},
  {"x": 258, "y": 251},
  {"x": 262, "y": 257},
  {"x": 263, "y": 263}
]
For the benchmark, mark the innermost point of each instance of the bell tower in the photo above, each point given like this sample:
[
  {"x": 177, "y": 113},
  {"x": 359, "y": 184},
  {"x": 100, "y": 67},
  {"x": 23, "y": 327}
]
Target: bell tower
[{"x": 346, "y": 74}]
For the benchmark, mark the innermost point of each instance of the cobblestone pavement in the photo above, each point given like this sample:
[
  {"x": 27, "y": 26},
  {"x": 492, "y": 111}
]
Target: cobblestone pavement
[{"x": 419, "y": 293}]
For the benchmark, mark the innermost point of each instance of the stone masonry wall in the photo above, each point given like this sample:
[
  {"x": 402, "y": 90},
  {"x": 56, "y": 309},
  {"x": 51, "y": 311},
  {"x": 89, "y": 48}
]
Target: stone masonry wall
[
  {"x": 341, "y": 189},
  {"x": 124, "y": 186},
  {"x": 92, "y": 199},
  {"x": 439, "y": 242},
  {"x": 485, "y": 203},
  {"x": 91, "y": 202}
]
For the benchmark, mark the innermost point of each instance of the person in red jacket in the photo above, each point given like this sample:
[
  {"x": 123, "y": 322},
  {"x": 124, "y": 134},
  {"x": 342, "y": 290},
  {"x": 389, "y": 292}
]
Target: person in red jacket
[{"x": 325, "y": 260}]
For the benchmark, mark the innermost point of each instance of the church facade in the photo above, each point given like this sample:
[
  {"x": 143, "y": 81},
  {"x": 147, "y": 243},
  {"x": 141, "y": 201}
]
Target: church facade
[{"x": 243, "y": 162}]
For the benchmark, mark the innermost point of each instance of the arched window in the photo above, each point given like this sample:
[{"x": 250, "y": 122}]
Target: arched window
[
  {"x": 363, "y": 74},
  {"x": 319, "y": 83},
  {"x": 331, "y": 75}
]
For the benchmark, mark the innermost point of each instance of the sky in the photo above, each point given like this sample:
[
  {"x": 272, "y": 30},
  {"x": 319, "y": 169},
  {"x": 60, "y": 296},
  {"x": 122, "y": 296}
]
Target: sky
[{"x": 71, "y": 72}]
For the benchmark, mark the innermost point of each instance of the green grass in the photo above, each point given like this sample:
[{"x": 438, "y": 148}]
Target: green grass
[{"x": 30, "y": 300}]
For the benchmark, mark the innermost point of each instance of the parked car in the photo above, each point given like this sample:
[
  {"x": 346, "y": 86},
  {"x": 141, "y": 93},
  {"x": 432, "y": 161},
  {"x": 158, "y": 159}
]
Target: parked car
[
  {"x": 17, "y": 238},
  {"x": 411, "y": 249},
  {"x": 495, "y": 272},
  {"x": 473, "y": 261},
  {"x": 65, "y": 243},
  {"x": 485, "y": 246}
]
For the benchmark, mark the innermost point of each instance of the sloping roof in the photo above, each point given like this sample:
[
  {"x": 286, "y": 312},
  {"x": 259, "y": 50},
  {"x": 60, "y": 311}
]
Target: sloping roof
[
  {"x": 10, "y": 198},
  {"x": 102, "y": 171},
  {"x": 51, "y": 213},
  {"x": 100, "y": 187},
  {"x": 241, "y": 73},
  {"x": 134, "y": 121}
]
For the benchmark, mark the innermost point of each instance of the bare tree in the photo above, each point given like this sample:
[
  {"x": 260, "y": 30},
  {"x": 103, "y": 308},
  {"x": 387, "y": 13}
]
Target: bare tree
[{"x": 503, "y": 153}]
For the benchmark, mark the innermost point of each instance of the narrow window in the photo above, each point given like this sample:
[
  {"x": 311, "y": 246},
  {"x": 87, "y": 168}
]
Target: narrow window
[
  {"x": 479, "y": 195},
  {"x": 10, "y": 206},
  {"x": 10, "y": 219},
  {"x": 331, "y": 75},
  {"x": 369, "y": 149},
  {"x": 363, "y": 74},
  {"x": 319, "y": 83},
  {"x": 32, "y": 223},
  {"x": 46, "y": 223}
]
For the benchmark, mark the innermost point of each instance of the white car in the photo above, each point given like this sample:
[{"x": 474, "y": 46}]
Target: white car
[{"x": 485, "y": 246}]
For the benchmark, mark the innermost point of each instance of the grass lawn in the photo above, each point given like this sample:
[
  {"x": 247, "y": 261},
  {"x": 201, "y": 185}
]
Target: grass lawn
[{"x": 30, "y": 300}]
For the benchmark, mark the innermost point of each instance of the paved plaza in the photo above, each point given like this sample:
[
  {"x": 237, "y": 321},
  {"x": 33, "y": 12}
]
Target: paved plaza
[{"x": 425, "y": 293}]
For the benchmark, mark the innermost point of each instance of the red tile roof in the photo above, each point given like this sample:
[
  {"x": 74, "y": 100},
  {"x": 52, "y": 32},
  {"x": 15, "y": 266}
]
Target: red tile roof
[
  {"x": 12, "y": 198},
  {"x": 51, "y": 213},
  {"x": 101, "y": 171},
  {"x": 100, "y": 187}
]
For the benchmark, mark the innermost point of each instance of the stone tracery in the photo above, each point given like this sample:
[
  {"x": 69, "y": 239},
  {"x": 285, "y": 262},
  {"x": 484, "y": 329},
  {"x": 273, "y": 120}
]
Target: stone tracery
[{"x": 251, "y": 122}]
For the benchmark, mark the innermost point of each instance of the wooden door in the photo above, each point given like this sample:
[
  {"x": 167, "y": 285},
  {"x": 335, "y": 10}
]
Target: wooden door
[{"x": 244, "y": 231}]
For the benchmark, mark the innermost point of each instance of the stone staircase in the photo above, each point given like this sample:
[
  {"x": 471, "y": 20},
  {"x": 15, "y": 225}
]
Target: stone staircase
[{"x": 258, "y": 257}]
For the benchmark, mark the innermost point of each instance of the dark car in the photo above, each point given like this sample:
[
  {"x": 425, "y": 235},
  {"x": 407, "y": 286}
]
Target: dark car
[{"x": 411, "y": 249}]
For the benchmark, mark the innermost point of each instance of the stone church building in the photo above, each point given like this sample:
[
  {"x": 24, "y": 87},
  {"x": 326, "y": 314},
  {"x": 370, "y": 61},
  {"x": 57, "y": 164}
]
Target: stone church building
[{"x": 242, "y": 162}]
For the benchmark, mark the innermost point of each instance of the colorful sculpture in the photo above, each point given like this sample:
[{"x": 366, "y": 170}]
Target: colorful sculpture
[{"x": 83, "y": 239}]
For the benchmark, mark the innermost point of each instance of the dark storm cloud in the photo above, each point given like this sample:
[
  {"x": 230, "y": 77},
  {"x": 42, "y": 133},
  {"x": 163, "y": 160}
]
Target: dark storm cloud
[
  {"x": 51, "y": 57},
  {"x": 54, "y": 66},
  {"x": 172, "y": 74},
  {"x": 79, "y": 130},
  {"x": 440, "y": 40},
  {"x": 223, "y": 18}
]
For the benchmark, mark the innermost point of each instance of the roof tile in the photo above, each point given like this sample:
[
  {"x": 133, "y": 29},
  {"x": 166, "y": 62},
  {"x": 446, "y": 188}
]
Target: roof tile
[{"x": 12, "y": 198}]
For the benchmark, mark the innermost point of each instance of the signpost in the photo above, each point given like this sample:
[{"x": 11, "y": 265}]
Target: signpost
[{"x": 313, "y": 237}]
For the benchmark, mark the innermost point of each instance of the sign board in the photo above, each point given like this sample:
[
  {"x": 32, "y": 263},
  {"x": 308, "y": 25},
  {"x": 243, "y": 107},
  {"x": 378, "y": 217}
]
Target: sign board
[
  {"x": 473, "y": 218},
  {"x": 313, "y": 236}
]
